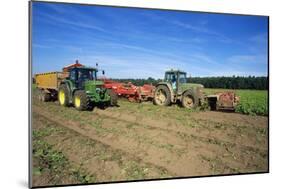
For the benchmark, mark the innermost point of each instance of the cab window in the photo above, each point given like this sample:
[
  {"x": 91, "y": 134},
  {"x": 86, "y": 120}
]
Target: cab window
[
  {"x": 72, "y": 75},
  {"x": 182, "y": 78}
]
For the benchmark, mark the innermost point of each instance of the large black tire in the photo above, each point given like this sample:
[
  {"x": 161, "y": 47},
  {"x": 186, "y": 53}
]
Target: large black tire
[
  {"x": 190, "y": 99},
  {"x": 113, "y": 97},
  {"x": 63, "y": 95},
  {"x": 81, "y": 101},
  {"x": 162, "y": 96}
]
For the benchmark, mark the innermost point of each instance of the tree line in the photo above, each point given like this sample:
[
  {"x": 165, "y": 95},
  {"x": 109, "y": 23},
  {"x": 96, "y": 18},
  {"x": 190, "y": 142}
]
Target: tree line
[{"x": 234, "y": 82}]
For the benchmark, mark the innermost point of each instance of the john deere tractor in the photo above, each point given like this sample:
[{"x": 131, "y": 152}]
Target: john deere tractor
[
  {"x": 77, "y": 85},
  {"x": 174, "y": 88},
  {"x": 83, "y": 90}
]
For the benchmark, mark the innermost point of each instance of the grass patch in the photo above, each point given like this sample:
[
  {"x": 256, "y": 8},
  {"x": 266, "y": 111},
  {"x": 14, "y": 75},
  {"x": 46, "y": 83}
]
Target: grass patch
[{"x": 135, "y": 172}]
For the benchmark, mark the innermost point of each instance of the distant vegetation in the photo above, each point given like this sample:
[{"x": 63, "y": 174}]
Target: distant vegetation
[{"x": 234, "y": 82}]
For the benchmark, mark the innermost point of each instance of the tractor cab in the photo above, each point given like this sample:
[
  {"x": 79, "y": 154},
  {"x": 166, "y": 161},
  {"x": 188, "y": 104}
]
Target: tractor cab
[
  {"x": 175, "y": 77},
  {"x": 82, "y": 74}
]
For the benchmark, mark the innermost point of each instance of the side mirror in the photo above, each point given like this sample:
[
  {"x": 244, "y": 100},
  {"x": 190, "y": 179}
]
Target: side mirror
[{"x": 103, "y": 72}]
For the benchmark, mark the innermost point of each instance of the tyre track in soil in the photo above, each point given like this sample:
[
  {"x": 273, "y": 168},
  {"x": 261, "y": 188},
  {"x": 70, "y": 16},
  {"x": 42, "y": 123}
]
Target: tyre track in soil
[
  {"x": 208, "y": 131},
  {"x": 232, "y": 155},
  {"x": 228, "y": 118},
  {"x": 98, "y": 159},
  {"x": 201, "y": 132},
  {"x": 154, "y": 155},
  {"x": 148, "y": 154}
]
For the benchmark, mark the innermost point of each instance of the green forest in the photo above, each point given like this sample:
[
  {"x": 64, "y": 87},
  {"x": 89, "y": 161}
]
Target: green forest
[{"x": 234, "y": 82}]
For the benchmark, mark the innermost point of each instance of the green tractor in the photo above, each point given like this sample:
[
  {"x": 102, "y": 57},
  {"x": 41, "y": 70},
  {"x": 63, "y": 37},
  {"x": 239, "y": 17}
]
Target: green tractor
[
  {"x": 83, "y": 90},
  {"x": 175, "y": 89}
]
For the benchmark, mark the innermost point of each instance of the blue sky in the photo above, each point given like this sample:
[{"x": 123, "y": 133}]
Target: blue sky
[{"x": 142, "y": 43}]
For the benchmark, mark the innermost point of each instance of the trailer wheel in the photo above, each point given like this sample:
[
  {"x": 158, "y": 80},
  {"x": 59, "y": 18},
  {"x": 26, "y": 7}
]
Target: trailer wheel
[
  {"x": 81, "y": 101},
  {"x": 46, "y": 97},
  {"x": 40, "y": 95},
  {"x": 113, "y": 97},
  {"x": 63, "y": 95},
  {"x": 189, "y": 100},
  {"x": 43, "y": 96}
]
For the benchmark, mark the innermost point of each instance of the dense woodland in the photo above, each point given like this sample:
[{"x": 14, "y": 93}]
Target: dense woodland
[{"x": 234, "y": 82}]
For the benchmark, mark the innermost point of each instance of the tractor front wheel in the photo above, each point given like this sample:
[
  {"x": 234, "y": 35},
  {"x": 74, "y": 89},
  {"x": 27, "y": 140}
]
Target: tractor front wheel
[
  {"x": 189, "y": 100},
  {"x": 63, "y": 95},
  {"x": 82, "y": 101},
  {"x": 113, "y": 97},
  {"x": 162, "y": 96}
]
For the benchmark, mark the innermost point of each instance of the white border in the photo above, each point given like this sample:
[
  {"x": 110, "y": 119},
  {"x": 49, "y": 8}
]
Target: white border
[{"x": 14, "y": 80}]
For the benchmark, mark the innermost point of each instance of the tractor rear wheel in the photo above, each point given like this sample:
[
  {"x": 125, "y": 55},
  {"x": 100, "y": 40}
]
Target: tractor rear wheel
[
  {"x": 189, "y": 100},
  {"x": 63, "y": 95},
  {"x": 113, "y": 97},
  {"x": 162, "y": 96},
  {"x": 81, "y": 101}
]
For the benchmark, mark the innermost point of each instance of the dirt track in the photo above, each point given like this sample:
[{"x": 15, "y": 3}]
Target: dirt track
[{"x": 143, "y": 141}]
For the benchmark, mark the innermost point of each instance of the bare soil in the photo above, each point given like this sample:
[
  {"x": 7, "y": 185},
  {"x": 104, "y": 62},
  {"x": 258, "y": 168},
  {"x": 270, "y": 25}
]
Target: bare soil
[{"x": 142, "y": 141}]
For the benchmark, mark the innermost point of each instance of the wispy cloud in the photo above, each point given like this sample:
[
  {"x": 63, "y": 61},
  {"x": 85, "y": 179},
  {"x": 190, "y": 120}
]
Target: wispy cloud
[
  {"x": 70, "y": 48},
  {"x": 83, "y": 23},
  {"x": 193, "y": 27},
  {"x": 200, "y": 27},
  {"x": 78, "y": 24},
  {"x": 147, "y": 63}
]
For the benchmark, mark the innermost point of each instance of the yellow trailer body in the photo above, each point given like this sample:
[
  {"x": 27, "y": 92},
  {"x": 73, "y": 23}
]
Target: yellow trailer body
[{"x": 49, "y": 80}]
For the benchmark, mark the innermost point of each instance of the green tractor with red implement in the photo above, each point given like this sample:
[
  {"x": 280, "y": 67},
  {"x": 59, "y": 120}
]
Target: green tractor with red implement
[{"x": 176, "y": 89}]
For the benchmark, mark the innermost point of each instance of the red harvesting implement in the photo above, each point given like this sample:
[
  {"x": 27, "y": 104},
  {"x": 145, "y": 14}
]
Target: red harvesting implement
[{"x": 130, "y": 91}]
